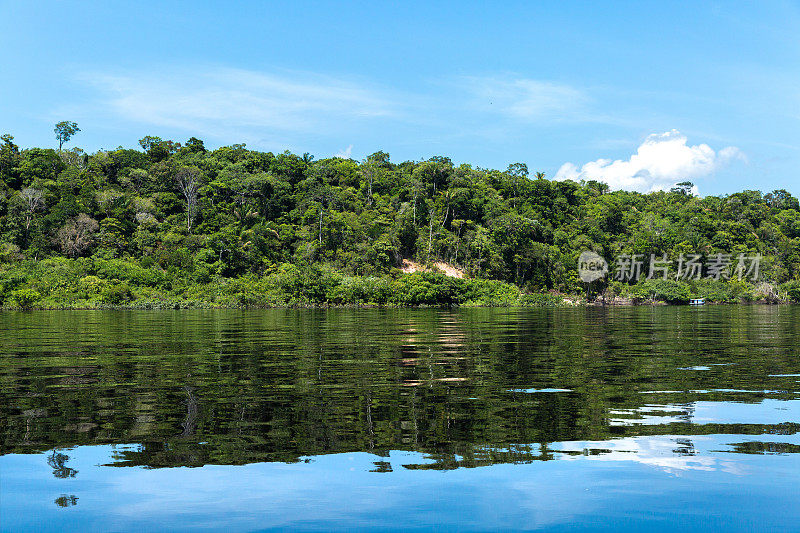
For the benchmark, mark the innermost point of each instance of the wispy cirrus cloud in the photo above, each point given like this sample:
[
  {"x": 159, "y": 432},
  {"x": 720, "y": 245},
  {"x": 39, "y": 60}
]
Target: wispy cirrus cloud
[
  {"x": 662, "y": 160},
  {"x": 286, "y": 109},
  {"x": 225, "y": 102},
  {"x": 294, "y": 110},
  {"x": 527, "y": 99}
]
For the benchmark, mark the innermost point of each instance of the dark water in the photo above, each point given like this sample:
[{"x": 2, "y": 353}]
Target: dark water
[{"x": 567, "y": 420}]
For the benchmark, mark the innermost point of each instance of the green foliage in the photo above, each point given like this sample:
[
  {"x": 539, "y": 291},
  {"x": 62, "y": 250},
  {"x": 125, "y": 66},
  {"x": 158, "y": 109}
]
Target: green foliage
[
  {"x": 116, "y": 293},
  {"x": 680, "y": 292},
  {"x": 361, "y": 291},
  {"x": 732, "y": 291},
  {"x": 9, "y": 281},
  {"x": 182, "y": 225},
  {"x": 662, "y": 290},
  {"x": 64, "y": 131},
  {"x": 793, "y": 290},
  {"x": 542, "y": 300},
  {"x": 24, "y": 298},
  {"x": 489, "y": 292},
  {"x": 427, "y": 288}
]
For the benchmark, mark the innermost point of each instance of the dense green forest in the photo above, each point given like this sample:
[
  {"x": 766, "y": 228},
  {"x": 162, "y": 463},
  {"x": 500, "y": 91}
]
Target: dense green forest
[{"x": 178, "y": 225}]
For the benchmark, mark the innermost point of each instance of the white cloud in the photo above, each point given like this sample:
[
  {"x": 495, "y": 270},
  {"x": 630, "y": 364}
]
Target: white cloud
[
  {"x": 234, "y": 103},
  {"x": 526, "y": 99},
  {"x": 662, "y": 160},
  {"x": 346, "y": 153},
  {"x": 660, "y": 451}
]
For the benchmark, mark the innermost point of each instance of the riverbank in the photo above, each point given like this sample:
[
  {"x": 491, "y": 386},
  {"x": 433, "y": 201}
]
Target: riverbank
[
  {"x": 91, "y": 283},
  {"x": 545, "y": 303},
  {"x": 59, "y": 283}
]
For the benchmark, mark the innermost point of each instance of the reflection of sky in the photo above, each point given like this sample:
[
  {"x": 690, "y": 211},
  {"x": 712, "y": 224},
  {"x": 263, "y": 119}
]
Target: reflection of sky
[
  {"x": 658, "y": 483},
  {"x": 767, "y": 411}
]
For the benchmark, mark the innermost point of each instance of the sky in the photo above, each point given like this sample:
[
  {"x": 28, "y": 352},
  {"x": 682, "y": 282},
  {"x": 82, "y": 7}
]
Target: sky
[{"x": 640, "y": 95}]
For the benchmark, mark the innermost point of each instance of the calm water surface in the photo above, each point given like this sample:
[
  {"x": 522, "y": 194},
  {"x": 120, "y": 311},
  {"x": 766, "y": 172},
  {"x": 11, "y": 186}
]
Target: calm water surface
[{"x": 653, "y": 419}]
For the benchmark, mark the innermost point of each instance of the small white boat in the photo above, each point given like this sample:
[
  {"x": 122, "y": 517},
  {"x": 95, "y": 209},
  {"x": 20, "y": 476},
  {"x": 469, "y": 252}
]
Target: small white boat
[{"x": 697, "y": 301}]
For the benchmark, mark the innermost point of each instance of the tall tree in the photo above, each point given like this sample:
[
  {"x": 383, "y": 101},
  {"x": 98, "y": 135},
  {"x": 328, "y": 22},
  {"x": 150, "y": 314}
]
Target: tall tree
[
  {"x": 323, "y": 195},
  {"x": 64, "y": 131},
  {"x": 684, "y": 187},
  {"x": 368, "y": 170},
  {"x": 188, "y": 180},
  {"x": 33, "y": 200},
  {"x": 9, "y": 159},
  {"x": 195, "y": 145},
  {"x": 77, "y": 235}
]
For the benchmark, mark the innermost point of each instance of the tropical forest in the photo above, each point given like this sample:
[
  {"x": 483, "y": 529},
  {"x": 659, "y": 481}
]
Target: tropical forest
[{"x": 171, "y": 224}]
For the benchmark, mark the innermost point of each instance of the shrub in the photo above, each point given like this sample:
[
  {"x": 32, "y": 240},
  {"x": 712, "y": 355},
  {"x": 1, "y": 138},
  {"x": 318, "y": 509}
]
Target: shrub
[
  {"x": 667, "y": 290},
  {"x": 490, "y": 293},
  {"x": 129, "y": 271},
  {"x": 90, "y": 286},
  {"x": 116, "y": 293},
  {"x": 350, "y": 290},
  {"x": 428, "y": 288},
  {"x": 9, "y": 252},
  {"x": 353, "y": 290},
  {"x": 202, "y": 274},
  {"x": 732, "y": 291},
  {"x": 25, "y": 298},
  {"x": 542, "y": 300},
  {"x": 792, "y": 289},
  {"x": 304, "y": 284},
  {"x": 8, "y": 282}
]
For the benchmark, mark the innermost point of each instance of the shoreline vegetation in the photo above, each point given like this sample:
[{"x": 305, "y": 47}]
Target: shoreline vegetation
[
  {"x": 61, "y": 283},
  {"x": 171, "y": 225}
]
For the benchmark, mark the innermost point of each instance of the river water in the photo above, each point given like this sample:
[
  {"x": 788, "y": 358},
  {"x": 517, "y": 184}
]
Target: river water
[{"x": 578, "y": 419}]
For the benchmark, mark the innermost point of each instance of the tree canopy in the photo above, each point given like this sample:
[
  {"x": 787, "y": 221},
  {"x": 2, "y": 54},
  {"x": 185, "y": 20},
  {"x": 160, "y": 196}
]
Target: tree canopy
[
  {"x": 199, "y": 215},
  {"x": 64, "y": 131}
]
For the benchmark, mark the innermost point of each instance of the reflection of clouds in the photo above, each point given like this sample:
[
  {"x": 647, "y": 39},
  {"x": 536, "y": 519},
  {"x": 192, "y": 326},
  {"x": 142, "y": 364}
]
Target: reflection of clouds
[
  {"x": 256, "y": 496},
  {"x": 669, "y": 453},
  {"x": 651, "y": 415},
  {"x": 767, "y": 411},
  {"x": 608, "y": 481},
  {"x": 543, "y": 501}
]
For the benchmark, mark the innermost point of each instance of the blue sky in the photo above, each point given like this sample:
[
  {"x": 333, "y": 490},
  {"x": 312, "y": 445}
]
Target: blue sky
[
  {"x": 707, "y": 490},
  {"x": 639, "y": 94}
]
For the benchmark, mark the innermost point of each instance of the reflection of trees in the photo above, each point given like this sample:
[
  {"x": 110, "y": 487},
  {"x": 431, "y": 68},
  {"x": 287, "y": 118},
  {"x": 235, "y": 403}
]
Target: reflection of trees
[
  {"x": 66, "y": 500},
  {"x": 57, "y": 462},
  {"x": 382, "y": 467},
  {"x": 685, "y": 447},
  {"x": 765, "y": 448},
  {"x": 283, "y": 384},
  {"x": 190, "y": 421}
]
